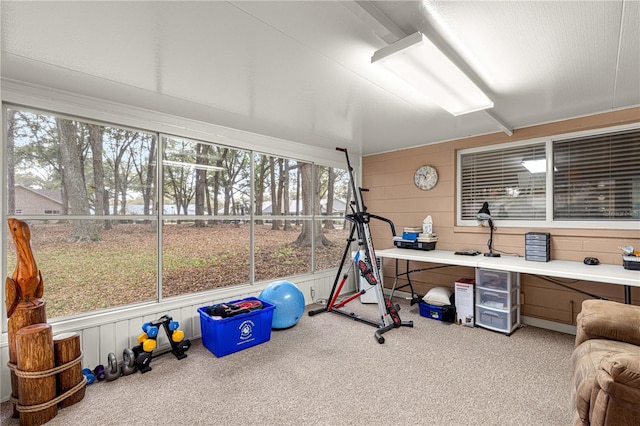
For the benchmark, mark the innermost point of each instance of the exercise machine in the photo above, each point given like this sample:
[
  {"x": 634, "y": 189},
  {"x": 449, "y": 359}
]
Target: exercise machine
[{"x": 367, "y": 267}]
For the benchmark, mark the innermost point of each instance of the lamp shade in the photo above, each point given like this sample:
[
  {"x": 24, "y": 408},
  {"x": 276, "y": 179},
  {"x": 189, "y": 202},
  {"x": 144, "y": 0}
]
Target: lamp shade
[
  {"x": 418, "y": 61},
  {"x": 484, "y": 213}
]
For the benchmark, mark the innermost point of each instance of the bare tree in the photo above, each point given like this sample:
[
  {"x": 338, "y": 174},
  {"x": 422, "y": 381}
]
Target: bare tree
[
  {"x": 275, "y": 196},
  {"x": 11, "y": 174},
  {"x": 218, "y": 178},
  {"x": 331, "y": 180},
  {"x": 101, "y": 198},
  {"x": 202, "y": 158},
  {"x": 262, "y": 167},
  {"x": 73, "y": 179},
  {"x": 311, "y": 229},
  {"x": 285, "y": 193},
  {"x": 119, "y": 142},
  {"x": 145, "y": 169}
]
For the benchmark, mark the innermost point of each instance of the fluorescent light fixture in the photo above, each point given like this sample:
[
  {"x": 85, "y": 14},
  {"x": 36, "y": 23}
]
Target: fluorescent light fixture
[
  {"x": 418, "y": 61},
  {"x": 538, "y": 165},
  {"x": 196, "y": 166}
]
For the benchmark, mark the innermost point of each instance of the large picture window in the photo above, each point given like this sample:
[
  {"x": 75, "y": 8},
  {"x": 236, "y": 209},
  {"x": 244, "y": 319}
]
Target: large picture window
[
  {"x": 559, "y": 181},
  {"x": 120, "y": 216},
  {"x": 76, "y": 183},
  {"x": 597, "y": 177},
  {"x": 507, "y": 179}
]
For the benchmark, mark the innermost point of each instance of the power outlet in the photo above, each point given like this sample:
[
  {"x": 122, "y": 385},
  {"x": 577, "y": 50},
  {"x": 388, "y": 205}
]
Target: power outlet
[{"x": 312, "y": 290}]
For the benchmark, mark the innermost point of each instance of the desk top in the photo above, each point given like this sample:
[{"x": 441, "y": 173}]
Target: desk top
[
  {"x": 610, "y": 274},
  {"x": 432, "y": 256}
]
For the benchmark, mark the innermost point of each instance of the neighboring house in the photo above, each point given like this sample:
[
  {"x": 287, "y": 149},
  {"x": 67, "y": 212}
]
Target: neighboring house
[{"x": 30, "y": 201}]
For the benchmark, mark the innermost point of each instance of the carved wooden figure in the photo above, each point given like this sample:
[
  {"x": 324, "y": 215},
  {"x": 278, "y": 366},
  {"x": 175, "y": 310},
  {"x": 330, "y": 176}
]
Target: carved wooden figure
[
  {"x": 25, "y": 286},
  {"x": 24, "y": 290}
]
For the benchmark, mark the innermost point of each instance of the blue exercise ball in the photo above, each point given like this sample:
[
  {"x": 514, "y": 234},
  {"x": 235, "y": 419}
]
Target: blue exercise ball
[{"x": 288, "y": 301}]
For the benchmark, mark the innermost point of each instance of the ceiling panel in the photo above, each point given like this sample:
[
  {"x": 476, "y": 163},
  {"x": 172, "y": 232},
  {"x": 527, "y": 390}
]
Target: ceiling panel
[{"x": 301, "y": 70}]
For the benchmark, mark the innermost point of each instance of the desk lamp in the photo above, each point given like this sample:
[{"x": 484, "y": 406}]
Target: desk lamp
[{"x": 485, "y": 214}]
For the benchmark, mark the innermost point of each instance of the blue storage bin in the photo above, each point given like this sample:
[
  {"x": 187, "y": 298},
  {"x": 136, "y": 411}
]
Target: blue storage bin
[
  {"x": 225, "y": 336},
  {"x": 446, "y": 313}
]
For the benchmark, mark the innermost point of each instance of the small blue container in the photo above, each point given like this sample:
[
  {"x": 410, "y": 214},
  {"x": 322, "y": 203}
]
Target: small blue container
[
  {"x": 225, "y": 336},
  {"x": 410, "y": 235},
  {"x": 446, "y": 313}
]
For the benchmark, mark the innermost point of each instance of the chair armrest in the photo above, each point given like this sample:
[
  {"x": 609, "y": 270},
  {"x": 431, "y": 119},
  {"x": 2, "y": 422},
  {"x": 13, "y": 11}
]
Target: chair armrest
[
  {"x": 623, "y": 369},
  {"x": 605, "y": 319},
  {"x": 619, "y": 378}
]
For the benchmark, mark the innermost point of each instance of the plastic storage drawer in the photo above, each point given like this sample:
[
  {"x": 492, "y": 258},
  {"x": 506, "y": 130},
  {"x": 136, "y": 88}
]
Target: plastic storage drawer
[
  {"x": 497, "y": 280},
  {"x": 496, "y": 299},
  {"x": 496, "y": 320}
]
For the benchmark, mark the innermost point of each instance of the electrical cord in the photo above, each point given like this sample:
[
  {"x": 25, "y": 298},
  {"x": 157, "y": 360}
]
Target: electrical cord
[
  {"x": 508, "y": 254},
  {"x": 565, "y": 285}
]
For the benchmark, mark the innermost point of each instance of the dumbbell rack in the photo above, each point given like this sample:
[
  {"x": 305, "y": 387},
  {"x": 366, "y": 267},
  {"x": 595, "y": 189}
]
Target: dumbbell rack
[{"x": 178, "y": 349}]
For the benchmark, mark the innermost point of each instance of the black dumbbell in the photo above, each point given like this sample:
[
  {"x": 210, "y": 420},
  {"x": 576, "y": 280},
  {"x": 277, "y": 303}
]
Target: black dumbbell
[{"x": 143, "y": 359}]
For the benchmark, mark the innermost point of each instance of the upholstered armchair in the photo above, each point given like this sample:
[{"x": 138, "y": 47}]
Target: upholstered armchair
[{"x": 605, "y": 365}]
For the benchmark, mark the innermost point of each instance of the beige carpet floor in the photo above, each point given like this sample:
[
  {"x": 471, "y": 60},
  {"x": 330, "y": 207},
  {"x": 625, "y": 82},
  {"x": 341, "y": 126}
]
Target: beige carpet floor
[{"x": 329, "y": 370}]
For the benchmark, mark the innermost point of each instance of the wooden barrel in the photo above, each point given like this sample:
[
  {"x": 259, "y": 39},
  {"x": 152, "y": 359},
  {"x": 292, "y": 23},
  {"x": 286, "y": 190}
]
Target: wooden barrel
[
  {"x": 34, "y": 347},
  {"x": 66, "y": 347},
  {"x": 25, "y": 314}
]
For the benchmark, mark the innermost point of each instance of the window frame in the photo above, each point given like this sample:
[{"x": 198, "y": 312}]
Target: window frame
[
  {"x": 151, "y": 122},
  {"x": 549, "y": 221}
]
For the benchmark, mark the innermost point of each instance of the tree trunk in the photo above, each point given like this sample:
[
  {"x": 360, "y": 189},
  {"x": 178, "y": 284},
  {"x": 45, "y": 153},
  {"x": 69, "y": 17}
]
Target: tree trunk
[
  {"x": 311, "y": 229},
  {"x": 285, "y": 194},
  {"x": 95, "y": 139},
  {"x": 260, "y": 172},
  {"x": 347, "y": 204},
  {"x": 328, "y": 223},
  {"x": 275, "y": 207},
  {"x": 74, "y": 183},
  {"x": 202, "y": 154},
  {"x": 11, "y": 184},
  {"x": 150, "y": 189}
]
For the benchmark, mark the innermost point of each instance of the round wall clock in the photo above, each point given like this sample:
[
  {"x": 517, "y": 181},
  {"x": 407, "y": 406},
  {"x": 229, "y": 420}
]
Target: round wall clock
[{"x": 425, "y": 177}]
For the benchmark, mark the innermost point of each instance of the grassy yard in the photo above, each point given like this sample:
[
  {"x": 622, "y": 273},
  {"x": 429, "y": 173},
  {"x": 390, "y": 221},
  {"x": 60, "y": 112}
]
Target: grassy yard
[{"x": 121, "y": 268}]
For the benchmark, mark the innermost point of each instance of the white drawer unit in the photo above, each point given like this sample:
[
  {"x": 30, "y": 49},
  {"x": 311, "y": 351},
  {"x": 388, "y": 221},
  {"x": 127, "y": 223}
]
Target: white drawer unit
[{"x": 497, "y": 300}]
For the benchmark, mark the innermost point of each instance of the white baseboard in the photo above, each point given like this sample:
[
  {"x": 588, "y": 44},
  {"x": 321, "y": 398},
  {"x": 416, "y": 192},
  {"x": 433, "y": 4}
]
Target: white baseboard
[
  {"x": 549, "y": 325},
  {"x": 534, "y": 322}
]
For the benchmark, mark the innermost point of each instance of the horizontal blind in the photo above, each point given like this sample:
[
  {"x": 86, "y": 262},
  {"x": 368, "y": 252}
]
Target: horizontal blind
[
  {"x": 597, "y": 177},
  {"x": 499, "y": 178}
]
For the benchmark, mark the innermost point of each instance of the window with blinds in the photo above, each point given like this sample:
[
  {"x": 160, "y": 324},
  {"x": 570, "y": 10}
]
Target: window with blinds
[
  {"x": 597, "y": 177},
  {"x": 499, "y": 177}
]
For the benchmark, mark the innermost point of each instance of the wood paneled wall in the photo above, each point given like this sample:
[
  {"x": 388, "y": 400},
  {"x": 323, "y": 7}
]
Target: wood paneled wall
[{"x": 392, "y": 194}]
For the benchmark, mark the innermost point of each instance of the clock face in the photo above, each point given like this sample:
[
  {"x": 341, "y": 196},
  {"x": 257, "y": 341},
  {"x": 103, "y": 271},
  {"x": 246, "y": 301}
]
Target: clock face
[{"x": 426, "y": 177}]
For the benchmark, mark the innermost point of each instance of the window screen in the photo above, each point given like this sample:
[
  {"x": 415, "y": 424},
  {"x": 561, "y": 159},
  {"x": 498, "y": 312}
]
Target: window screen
[
  {"x": 597, "y": 177},
  {"x": 500, "y": 178}
]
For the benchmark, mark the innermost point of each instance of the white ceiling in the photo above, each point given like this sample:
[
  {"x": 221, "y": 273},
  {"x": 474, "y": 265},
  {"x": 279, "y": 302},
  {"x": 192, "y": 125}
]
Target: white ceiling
[{"x": 301, "y": 71}]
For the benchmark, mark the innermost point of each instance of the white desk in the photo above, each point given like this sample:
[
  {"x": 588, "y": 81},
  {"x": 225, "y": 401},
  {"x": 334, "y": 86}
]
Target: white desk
[{"x": 609, "y": 274}]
